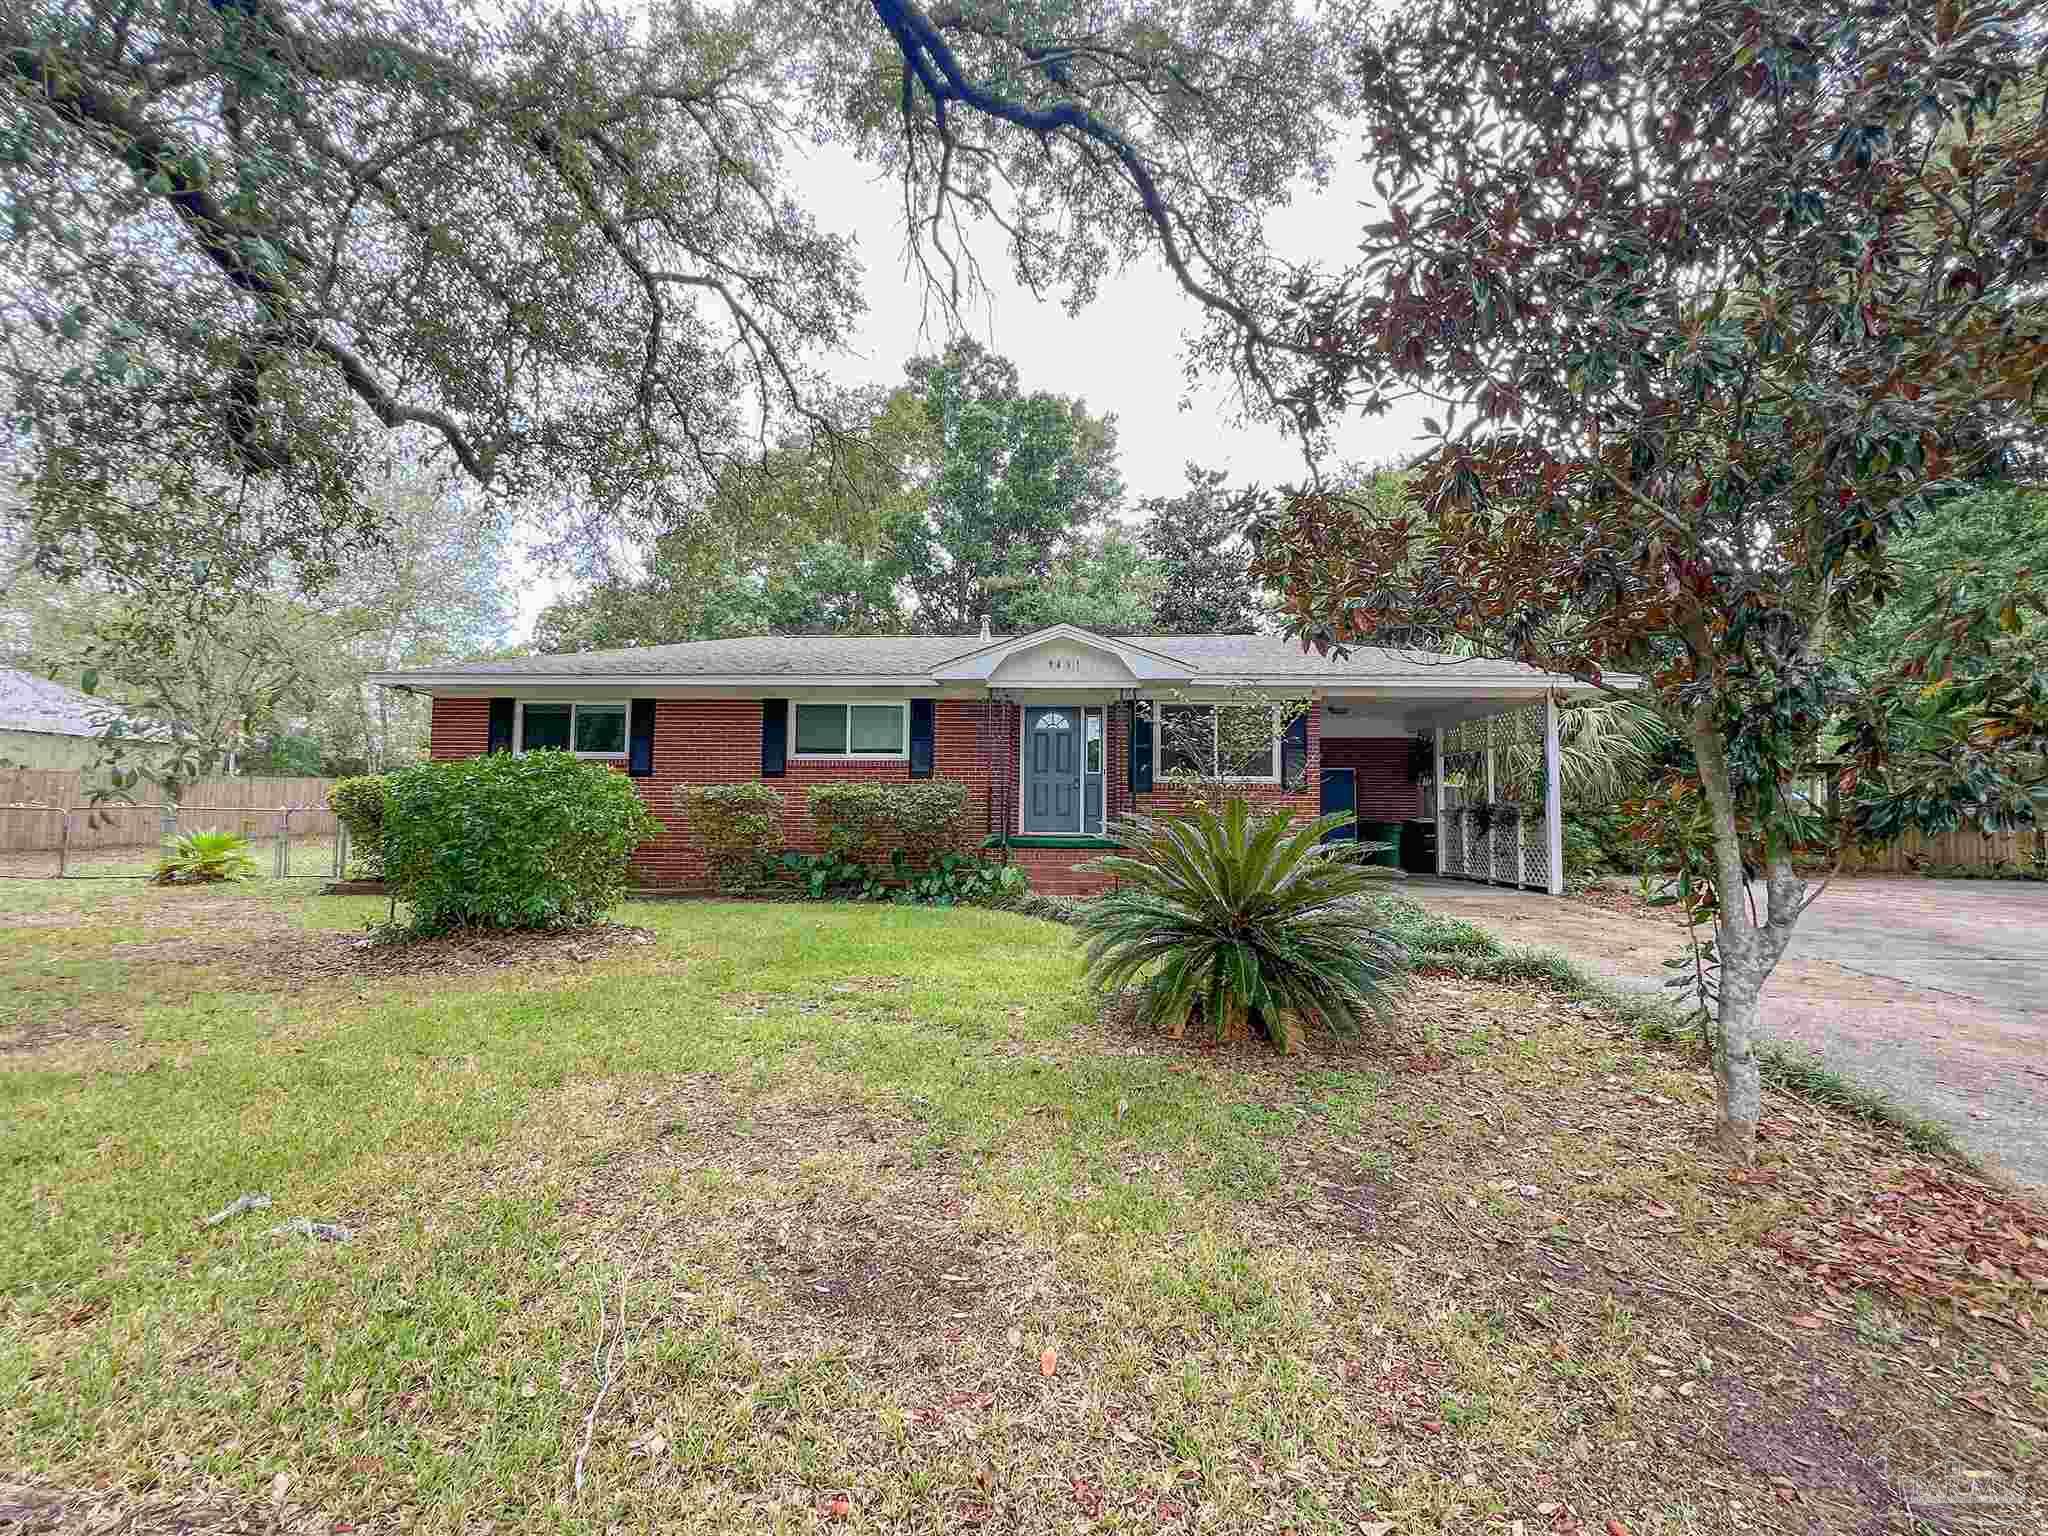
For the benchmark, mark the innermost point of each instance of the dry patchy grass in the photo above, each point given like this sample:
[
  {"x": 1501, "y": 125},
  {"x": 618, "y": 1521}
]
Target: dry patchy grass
[{"x": 905, "y": 1239}]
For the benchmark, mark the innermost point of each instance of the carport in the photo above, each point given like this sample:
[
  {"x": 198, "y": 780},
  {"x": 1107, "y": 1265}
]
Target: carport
[{"x": 1494, "y": 768}]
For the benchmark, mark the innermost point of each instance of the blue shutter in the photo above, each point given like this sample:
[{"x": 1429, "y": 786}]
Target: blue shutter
[
  {"x": 500, "y": 738},
  {"x": 920, "y": 738},
  {"x": 1141, "y": 752},
  {"x": 774, "y": 738},
  {"x": 640, "y": 742},
  {"x": 1294, "y": 753}
]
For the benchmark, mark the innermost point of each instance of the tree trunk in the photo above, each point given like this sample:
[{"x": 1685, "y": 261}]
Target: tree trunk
[
  {"x": 1746, "y": 957},
  {"x": 1735, "y": 1064}
]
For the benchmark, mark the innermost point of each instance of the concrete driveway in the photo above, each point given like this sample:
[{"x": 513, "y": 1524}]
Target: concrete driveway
[{"x": 1933, "y": 991}]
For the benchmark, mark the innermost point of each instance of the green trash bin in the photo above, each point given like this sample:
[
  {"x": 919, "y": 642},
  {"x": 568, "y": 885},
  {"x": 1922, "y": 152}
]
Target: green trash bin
[{"x": 1387, "y": 833}]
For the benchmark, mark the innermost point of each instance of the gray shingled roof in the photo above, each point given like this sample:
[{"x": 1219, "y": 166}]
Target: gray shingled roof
[
  {"x": 31, "y": 703},
  {"x": 918, "y": 656},
  {"x": 1276, "y": 655}
]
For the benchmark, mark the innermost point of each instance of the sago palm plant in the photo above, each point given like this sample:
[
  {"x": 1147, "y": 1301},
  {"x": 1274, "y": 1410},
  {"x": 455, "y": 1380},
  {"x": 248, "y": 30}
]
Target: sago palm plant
[
  {"x": 1238, "y": 914},
  {"x": 199, "y": 858}
]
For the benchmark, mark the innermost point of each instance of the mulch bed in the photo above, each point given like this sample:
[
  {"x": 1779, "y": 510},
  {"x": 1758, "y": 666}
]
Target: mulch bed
[
  {"x": 1625, "y": 900},
  {"x": 1933, "y": 1234},
  {"x": 361, "y": 957}
]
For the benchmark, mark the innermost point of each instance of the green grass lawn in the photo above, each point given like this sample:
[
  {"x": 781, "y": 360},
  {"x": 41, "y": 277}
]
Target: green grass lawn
[{"x": 895, "y": 1216}]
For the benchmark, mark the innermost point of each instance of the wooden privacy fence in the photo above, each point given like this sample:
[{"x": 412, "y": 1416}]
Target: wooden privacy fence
[
  {"x": 34, "y": 802},
  {"x": 2002, "y": 852}
]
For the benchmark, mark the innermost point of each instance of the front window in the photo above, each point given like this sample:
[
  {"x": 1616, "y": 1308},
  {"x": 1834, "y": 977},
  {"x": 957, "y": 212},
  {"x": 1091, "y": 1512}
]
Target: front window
[
  {"x": 1207, "y": 741},
  {"x": 1094, "y": 763},
  {"x": 852, "y": 730},
  {"x": 588, "y": 730}
]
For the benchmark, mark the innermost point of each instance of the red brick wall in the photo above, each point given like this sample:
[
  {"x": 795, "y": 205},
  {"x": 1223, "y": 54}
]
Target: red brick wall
[
  {"x": 718, "y": 741},
  {"x": 459, "y": 728},
  {"x": 1380, "y": 766}
]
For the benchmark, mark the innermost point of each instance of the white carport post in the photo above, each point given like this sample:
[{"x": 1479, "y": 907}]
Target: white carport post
[
  {"x": 1439, "y": 782},
  {"x": 1553, "y": 801},
  {"x": 1492, "y": 873}
]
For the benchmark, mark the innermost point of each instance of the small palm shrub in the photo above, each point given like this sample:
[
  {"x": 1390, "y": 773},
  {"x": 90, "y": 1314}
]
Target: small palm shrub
[
  {"x": 1237, "y": 915},
  {"x": 205, "y": 858}
]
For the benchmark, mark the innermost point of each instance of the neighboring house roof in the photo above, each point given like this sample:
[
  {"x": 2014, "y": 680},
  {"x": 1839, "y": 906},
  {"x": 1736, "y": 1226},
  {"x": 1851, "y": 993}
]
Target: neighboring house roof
[
  {"x": 826, "y": 658},
  {"x": 31, "y": 703}
]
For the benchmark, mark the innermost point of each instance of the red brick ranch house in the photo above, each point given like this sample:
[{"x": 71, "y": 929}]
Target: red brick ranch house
[{"x": 1056, "y": 733}]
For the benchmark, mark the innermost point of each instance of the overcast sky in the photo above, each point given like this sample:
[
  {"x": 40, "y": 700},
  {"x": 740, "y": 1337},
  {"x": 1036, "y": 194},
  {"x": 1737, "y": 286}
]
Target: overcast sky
[{"x": 1122, "y": 354}]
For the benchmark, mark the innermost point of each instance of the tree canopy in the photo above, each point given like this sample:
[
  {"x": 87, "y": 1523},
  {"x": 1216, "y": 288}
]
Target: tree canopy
[
  {"x": 1197, "y": 539},
  {"x": 246, "y": 240},
  {"x": 1017, "y": 478},
  {"x": 1714, "y": 300}
]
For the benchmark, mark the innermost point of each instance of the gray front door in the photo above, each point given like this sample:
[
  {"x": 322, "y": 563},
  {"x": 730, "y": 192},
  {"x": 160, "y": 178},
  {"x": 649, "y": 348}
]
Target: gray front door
[{"x": 1052, "y": 770}]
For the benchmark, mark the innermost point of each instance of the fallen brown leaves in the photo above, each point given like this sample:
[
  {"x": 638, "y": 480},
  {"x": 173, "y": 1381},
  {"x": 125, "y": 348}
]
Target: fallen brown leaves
[
  {"x": 349, "y": 957},
  {"x": 1932, "y": 1235}
]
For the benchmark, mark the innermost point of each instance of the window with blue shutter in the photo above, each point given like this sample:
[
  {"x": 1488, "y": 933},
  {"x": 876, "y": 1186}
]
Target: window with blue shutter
[{"x": 1141, "y": 748}]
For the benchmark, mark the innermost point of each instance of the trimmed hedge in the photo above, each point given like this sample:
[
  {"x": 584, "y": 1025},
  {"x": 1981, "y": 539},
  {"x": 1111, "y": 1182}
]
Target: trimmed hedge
[
  {"x": 739, "y": 827},
  {"x": 502, "y": 841},
  {"x": 358, "y": 804},
  {"x": 869, "y": 823}
]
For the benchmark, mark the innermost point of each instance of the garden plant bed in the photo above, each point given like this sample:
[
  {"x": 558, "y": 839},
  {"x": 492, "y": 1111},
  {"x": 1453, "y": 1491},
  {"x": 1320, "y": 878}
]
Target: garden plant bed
[
  {"x": 909, "y": 1237},
  {"x": 334, "y": 958}
]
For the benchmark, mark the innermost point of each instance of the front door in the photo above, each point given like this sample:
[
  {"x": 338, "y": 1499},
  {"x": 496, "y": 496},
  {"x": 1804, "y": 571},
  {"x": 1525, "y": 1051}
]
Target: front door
[{"x": 1052, "y": 770}]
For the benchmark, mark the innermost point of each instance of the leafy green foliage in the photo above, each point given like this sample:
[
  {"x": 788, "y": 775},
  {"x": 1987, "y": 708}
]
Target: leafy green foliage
[
  {"x": 1101, "y": 581},
  {"x": 1197, "y": 538},
  {"x": 539, "y": 840},
  {"x": 1019, "y": 477},
  {"x": 1234, "y": 914},
  {"x": 248, "y": 239},
  {"x": 835, "y": 877},
  {"x": 1986, "y": 538},
  {"x": 961, "y": 879},
  {"x": 1703, "y": 361},
  {"x": 358, "y": 804},
  {"x": 870, "y": 822},
  {"x": 205, "y": 858},
  {"x": 739, "y": 827},
  {"x": 950, "y": 880}
]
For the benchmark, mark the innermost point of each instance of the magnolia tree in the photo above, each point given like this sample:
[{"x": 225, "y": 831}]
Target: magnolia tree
[{"x": 1714, "y": 300}]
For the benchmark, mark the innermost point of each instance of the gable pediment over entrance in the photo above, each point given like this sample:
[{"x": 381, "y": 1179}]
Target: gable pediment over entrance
[{"x": 1066, "y": 655}]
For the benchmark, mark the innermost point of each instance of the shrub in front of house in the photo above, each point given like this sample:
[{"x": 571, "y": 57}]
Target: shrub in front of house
[
  {"x": 541, "y": 840},
  {"x": 1241, "y": 920},
  {"x": 739, "y": 828},
  {"x": 870, "y": 823},
  {"x": 358, "y": 804}
]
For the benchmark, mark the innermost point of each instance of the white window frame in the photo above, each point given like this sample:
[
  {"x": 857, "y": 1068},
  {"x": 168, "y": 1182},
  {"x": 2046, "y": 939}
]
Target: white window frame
[
  {"x": 519, "y": 726},
  {"x": 902, "y": 706},
  {"x": 1159, "y": 708}
]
